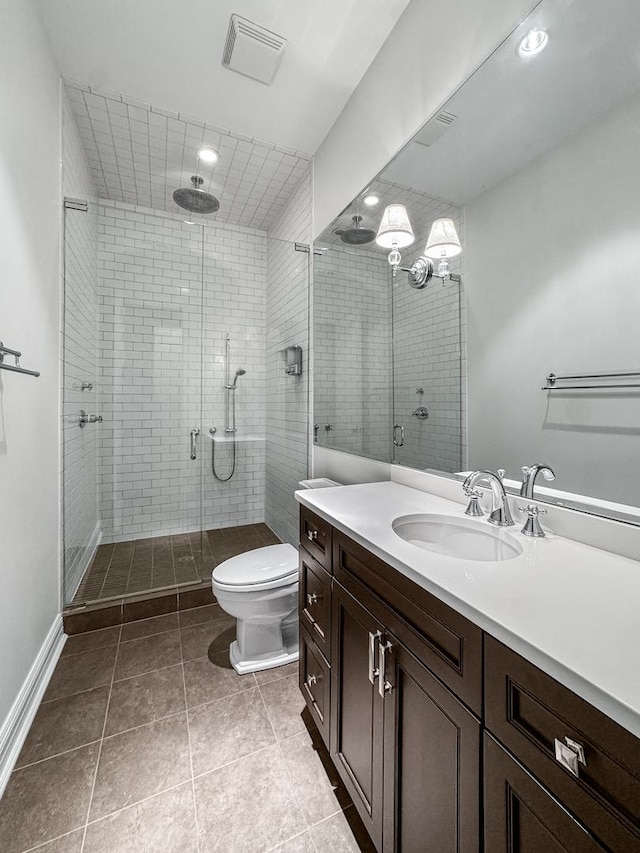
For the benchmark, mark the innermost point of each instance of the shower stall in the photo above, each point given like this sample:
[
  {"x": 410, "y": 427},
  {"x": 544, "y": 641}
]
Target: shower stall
[{"x": 194, "y": 435}]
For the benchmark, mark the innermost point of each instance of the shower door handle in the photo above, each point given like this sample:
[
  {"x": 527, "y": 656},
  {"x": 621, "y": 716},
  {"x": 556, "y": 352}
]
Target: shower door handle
[
  {"x": 395, "y": 438},
  {"x": 195, "y": 432}
]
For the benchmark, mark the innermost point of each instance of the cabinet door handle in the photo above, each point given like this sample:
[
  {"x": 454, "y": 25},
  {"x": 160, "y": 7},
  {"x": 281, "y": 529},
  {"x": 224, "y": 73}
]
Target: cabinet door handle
[
  {"x": 312, "y": 598},
  {"x": 373, "y": 670},
  {"x": 570, "y": 755},
  {"x": 384, "y": 686},
  {"x": 312, "y": 535},
  {"x": 311, "y": 680}
]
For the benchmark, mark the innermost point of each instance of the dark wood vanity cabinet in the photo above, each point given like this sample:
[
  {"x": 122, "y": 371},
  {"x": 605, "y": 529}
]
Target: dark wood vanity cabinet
[
  {"x": 520, "y": 816},
  {"x": 444, "y": 737}
]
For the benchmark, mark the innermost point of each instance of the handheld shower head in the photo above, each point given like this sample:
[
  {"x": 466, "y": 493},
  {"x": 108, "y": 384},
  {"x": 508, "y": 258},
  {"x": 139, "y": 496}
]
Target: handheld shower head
[{"x": 239, "y": 372}]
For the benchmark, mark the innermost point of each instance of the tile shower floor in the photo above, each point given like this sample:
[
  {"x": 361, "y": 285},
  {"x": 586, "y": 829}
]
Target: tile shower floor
[
  {"x": 127, "y": 568},
  {"x": 146, "y": 739}
]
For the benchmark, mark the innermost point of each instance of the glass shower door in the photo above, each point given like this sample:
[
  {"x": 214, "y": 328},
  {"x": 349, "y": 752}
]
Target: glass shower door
[{"x": 142, "y": 460}]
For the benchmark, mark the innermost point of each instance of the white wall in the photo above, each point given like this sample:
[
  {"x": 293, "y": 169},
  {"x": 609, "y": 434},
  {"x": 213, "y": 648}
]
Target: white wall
[
  {"x": 431, "y": 51},
  {"x": 29, "y": 321},
  {"x": 552, "y": 259}
]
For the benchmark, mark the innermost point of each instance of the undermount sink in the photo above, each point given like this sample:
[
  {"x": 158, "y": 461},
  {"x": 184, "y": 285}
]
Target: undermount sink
[{"x": 456, "y": 537}]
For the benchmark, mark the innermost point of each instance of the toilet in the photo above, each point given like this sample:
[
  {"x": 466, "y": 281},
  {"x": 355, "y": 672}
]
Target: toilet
[{"x": 260, "y": 588}]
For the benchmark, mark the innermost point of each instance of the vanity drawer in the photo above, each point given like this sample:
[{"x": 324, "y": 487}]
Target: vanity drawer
[
  {"x": 315, "y": 683},
  {"x": 315, "y": 602},
  {"x": 440, "y": 637},
  {"x": 315, "y": 536},
  {"x": 532, "y": 714}
]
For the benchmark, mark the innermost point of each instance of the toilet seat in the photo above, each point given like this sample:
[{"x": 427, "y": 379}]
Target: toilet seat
[{"x": 261, "y": 569}]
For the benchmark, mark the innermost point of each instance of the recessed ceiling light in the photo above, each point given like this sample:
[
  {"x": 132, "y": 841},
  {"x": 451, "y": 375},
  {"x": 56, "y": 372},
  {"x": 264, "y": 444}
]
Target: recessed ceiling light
[
  {"x": 208, "y": 155},
  {"x": 371, "y": 200},
  {"x": 532, "y": 43}
]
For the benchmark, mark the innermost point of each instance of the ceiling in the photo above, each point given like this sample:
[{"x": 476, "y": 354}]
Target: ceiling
[
  {"x": 513, "y": 110},
  {"x": 169, "y": 52},
  {"x": 139, "y": 154}
]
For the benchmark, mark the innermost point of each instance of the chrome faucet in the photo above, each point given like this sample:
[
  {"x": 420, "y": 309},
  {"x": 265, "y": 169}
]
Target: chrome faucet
[
  {"x": 529, "y": 474},
  {"x": 500, "y": 514}
]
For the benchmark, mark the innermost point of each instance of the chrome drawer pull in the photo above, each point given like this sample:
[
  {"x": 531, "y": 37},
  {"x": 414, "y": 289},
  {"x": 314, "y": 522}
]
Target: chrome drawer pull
[
  {"x": 312, "y": 598},
  {"x": 312, "y": 535},
  {"x": 311, "y": 680},
  {"x": 570, "y": 755},
  {"x": 373, "y": 670},
  {"x": 384, "y": 686}
]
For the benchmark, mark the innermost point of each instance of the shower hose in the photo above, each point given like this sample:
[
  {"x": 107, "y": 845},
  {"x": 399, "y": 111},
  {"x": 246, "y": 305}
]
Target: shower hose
[{"x": 213, "y": 462}]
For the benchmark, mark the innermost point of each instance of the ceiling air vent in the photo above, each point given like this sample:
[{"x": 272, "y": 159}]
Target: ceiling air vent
[
  {"x": 251, "y": 50},
  {"x": 434, "y": 128}
]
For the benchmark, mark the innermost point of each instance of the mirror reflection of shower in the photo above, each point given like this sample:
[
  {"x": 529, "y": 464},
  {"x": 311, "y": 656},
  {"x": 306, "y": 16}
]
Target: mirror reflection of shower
[{"x": 230, "y": 428}]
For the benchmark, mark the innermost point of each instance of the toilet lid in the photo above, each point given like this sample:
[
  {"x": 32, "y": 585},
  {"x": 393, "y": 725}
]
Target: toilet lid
[{"x": 259, "y": 566}]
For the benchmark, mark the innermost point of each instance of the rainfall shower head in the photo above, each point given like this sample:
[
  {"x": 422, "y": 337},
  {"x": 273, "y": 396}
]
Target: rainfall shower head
[
  {"x": 194, "y": 199},
  {"x": 356, "y": 236}
]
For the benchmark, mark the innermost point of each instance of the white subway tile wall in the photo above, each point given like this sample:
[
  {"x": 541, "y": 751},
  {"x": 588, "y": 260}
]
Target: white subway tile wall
[
  {"x": 353, "y": 352},
  {"x": 169, "y": 294},
  {"x": 287, "y": 401},
  {"x": 79, "y": 334}
]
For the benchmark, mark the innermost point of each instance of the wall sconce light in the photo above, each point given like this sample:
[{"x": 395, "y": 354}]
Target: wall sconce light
[
  {"x": 395, "y": 233},
  {"x": 443, "y": 243}
]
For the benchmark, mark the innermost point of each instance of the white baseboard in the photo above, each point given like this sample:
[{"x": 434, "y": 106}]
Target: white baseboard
[
  {"x": 14, "y": 729},
  {"x": 79, "y": 571}
]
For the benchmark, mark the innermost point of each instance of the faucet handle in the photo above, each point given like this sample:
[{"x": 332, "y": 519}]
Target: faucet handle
[
  {"x": 501, "y": 472},
  {"x": 474, "y": 507},
  {"x": 532, "y": 524}
]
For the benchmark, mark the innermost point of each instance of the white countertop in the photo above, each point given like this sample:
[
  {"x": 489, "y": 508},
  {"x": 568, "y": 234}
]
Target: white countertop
[{"x": 571, "y": 609}]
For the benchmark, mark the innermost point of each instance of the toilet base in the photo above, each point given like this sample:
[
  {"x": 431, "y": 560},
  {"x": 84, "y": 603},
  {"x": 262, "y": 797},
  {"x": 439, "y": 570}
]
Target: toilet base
[{"x": 269, "y": 661}]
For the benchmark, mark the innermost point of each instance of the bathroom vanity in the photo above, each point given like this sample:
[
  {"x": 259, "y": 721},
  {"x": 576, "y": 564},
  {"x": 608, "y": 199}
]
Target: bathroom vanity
[{"x": 470, "y": 705}]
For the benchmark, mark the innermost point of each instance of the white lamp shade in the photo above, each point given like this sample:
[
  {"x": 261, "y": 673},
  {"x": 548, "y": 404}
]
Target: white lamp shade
[
  {"x": 395, "y": 228},
  {"x": 443, "y": 240}
]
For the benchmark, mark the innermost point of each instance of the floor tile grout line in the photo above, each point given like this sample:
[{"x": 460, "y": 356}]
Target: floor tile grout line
[
  {"x": 17, "y": 769},
  {"x": 142, "y": 725},
  {"x": 51, "y": 840},
  {"x": 130, "y": 805},
  {"x": 104, "y": 726},
  {"x": 193, "y": 784}
]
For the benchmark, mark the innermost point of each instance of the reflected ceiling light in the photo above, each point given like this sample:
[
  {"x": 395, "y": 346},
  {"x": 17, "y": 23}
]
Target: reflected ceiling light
[
  {"x": 208, "y": 155},
  {"x": 188, "y": 222},
  {"x": 371, "y": 200},
  {"x": 395, "y": 233},
  {"x": 532, "y": 43}
]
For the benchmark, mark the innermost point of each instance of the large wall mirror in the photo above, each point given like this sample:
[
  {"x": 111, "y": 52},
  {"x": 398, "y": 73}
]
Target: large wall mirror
[{"x": 536, "y": 163}]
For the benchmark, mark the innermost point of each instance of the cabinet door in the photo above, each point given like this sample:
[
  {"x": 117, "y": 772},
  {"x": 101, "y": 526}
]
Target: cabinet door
[
  {"x": 356, "y": 708},
  {"x": 521, "y": 816},
  {"x": 431, "y": 761}
]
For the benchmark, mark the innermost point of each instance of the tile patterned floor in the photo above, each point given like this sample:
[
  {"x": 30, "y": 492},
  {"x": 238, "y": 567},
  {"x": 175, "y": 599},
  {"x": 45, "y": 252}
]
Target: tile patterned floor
[
  {"x": 147, "y": 740},
  {"x": 128, "y": 568}
]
